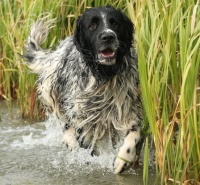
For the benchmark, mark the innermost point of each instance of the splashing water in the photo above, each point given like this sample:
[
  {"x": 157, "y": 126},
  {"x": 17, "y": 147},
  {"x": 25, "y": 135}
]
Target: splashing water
[
  {"x": 51, "y": 136},
  {"x": 35, "y": 154}
]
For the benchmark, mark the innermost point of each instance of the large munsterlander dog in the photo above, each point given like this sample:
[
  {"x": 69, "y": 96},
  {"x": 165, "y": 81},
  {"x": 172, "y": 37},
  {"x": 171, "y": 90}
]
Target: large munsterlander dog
[{"x": 91, "y": 81}]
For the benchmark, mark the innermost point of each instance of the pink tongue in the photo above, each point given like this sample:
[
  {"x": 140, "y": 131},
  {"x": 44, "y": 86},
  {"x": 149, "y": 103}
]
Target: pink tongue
[{"x": 107, "y": 53}]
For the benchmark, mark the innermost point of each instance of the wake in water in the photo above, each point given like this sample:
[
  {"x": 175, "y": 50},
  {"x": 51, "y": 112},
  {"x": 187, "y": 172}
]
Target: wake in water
[
  {"x": 47, "y": 137},
  {"x": 34, "y": 154}
]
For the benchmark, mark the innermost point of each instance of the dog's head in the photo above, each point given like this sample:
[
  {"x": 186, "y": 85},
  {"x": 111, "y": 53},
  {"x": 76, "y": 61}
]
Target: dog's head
[{"x": 103, "y": 35}]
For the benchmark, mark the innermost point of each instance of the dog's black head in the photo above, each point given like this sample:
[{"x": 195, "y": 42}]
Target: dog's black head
[{"x": 103, "y": 35}]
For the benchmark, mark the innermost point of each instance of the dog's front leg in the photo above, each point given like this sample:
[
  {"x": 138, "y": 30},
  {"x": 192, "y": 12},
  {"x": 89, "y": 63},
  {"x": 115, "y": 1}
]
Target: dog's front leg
[
  {"x": 127, "y": 152},
  {"x": 69, "y": 137}
]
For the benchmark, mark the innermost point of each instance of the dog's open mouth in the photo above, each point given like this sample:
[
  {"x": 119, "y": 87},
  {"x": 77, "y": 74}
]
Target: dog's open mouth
[
  {"x": 107, "y": 53},
  {"x": 107, "y": 56}
]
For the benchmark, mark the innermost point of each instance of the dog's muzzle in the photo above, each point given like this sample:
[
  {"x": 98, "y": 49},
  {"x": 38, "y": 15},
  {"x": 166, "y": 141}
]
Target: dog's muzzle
[{"x": 108, "y": 48}]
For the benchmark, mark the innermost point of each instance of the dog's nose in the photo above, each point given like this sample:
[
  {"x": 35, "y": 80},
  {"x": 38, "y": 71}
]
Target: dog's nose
[{"x": 107, "y": 36}]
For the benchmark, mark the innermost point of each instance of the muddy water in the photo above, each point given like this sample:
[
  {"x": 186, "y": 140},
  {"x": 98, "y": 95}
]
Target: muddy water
[{"x": 33, "y": 153}]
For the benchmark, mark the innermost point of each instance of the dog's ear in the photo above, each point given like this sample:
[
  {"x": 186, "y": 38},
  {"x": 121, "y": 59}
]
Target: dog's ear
[
  {"x": 129, "y": 30},
  {"x": 78, "y": 34}
]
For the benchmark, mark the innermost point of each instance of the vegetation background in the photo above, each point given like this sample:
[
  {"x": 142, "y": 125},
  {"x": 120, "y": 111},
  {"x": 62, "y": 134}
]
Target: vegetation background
[{"x": 167, "y": 40}]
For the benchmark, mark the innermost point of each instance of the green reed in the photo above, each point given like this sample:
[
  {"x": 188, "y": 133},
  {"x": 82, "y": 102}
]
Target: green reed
[{"x": 168, "y": 45}]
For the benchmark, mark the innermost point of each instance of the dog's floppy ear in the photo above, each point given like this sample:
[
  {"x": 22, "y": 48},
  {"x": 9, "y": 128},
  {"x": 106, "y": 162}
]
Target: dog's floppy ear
[
  {"x": 129, "y": 29},
  {"x": 78, "y": 34}
]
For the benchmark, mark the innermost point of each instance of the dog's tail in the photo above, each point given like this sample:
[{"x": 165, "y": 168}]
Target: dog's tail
[
  {"x": 39, "y": 32},
  {"x": 37, "y": 58}
]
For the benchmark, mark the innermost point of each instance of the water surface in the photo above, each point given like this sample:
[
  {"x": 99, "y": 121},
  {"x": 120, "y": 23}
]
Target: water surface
[{"x": 33, "y": 153}]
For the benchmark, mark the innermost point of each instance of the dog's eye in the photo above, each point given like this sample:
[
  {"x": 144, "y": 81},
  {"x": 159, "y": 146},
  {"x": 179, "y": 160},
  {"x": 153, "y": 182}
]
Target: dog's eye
[
  {"x": 92, "y": 26},
  {"x": 113, "y": 23}
]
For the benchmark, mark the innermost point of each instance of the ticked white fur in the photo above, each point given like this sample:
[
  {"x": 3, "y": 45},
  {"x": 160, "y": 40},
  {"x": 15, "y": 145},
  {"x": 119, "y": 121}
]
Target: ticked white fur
[{"x": 111, "y": 109}]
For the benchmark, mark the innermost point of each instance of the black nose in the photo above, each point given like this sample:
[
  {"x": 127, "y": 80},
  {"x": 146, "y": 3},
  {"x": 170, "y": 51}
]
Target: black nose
[{"x": 107, "y": 36}]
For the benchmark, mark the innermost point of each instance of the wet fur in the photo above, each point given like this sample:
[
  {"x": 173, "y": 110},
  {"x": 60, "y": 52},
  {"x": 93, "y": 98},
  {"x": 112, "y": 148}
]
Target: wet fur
[{"x": 91, "y": 99}]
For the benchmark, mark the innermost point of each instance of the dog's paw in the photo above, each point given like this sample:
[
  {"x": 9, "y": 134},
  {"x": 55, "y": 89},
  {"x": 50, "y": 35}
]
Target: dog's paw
[
  {"x": 69, "y": 139},
  {"x": 121, "y": 165},
  {"x": 124, "y": 159},
  {"x": 127, "y": 153}
]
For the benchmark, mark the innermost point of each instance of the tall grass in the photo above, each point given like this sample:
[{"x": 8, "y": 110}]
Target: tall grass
[
  {"x": 168, "y": 45},
  {"x": 168, "y": 41}
]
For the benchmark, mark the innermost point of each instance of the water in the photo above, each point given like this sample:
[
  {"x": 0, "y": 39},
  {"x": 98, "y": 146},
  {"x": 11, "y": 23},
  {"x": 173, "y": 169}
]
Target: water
[{"x": 33, "y": 153}]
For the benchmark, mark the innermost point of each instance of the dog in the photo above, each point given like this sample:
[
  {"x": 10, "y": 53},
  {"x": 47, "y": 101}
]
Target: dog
[{"x": 90, "y": 81}]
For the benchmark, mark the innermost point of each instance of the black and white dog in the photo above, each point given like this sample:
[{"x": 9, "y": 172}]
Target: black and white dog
[{"x": 91, "y": 81}]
